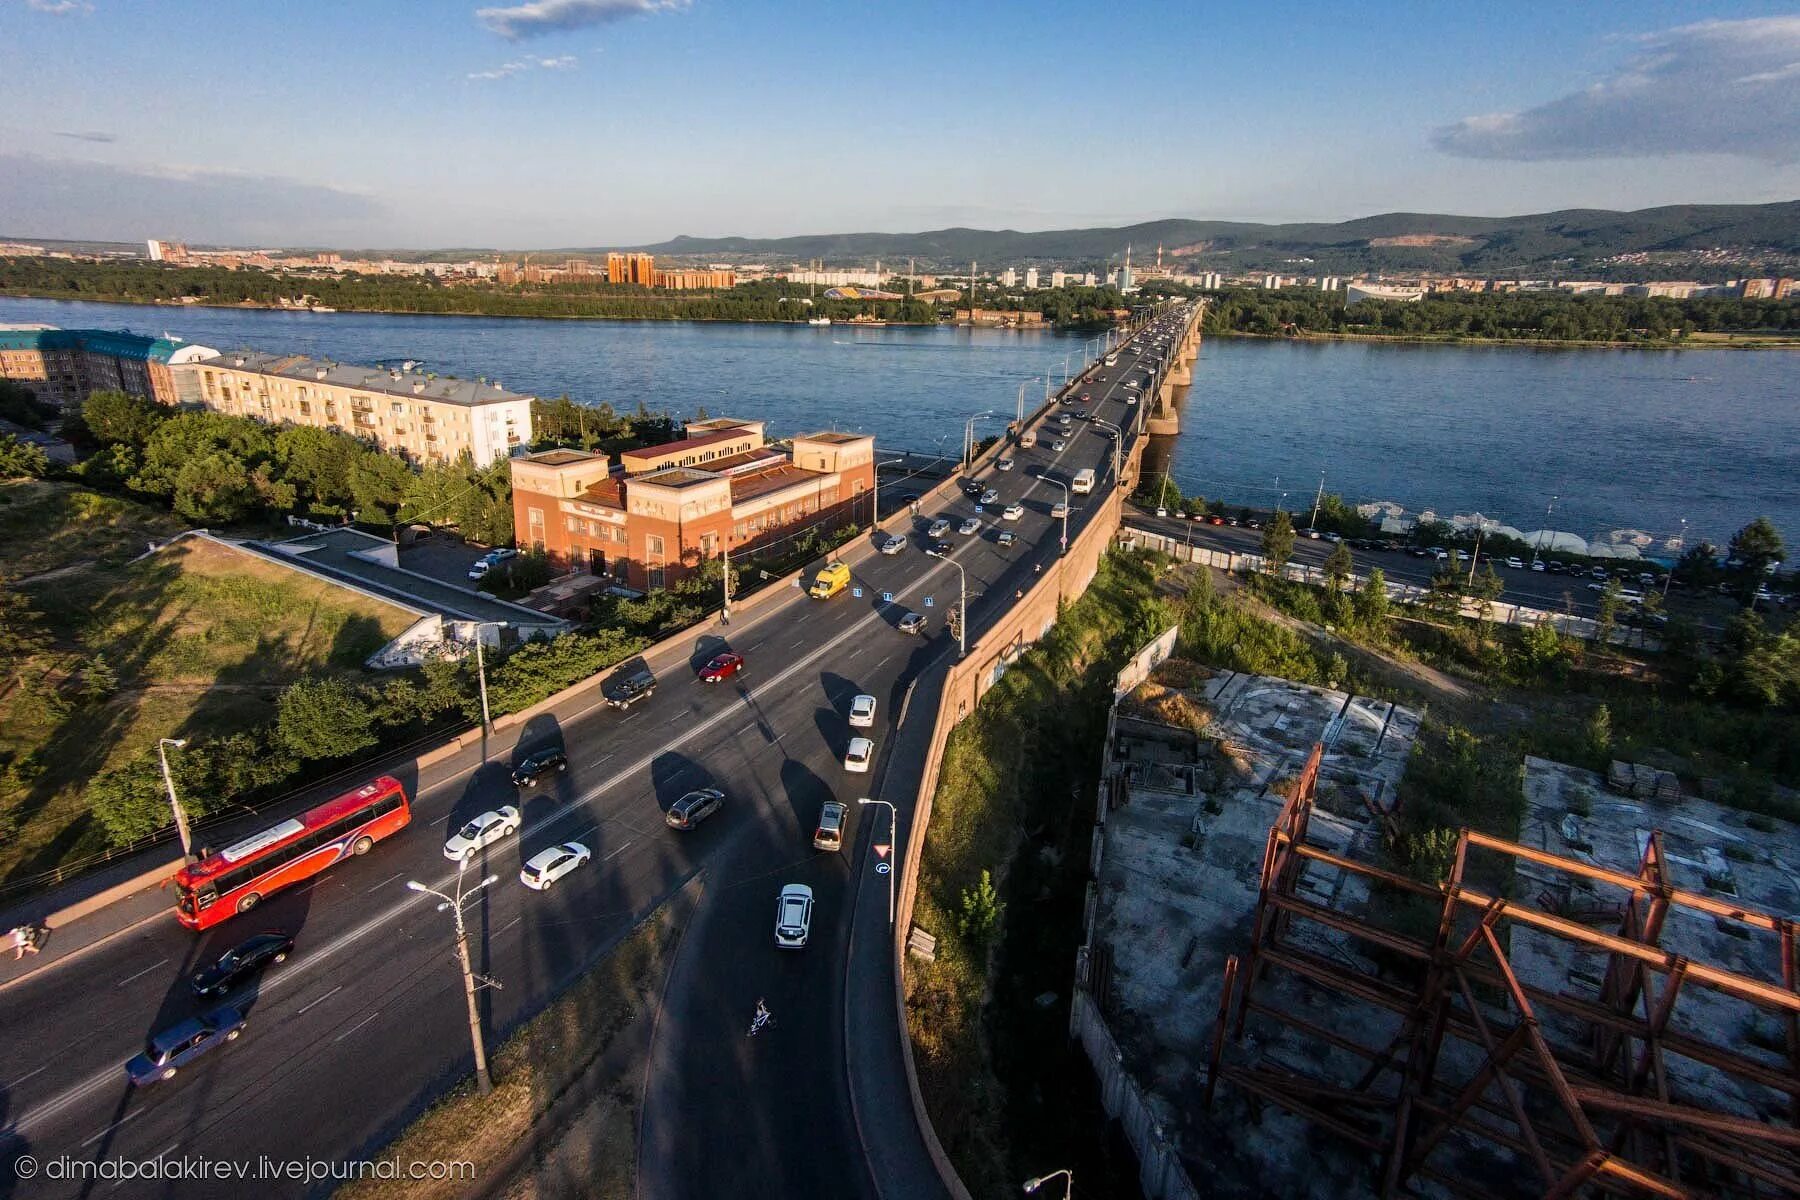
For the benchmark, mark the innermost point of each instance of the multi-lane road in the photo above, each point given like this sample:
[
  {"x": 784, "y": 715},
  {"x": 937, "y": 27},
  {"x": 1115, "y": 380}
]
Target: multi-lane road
[{"x": 366, "y": 1022}]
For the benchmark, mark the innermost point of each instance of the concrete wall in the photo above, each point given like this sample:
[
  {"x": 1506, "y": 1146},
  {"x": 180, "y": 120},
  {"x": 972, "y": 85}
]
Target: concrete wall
[{"x": 1160, "y": 1172}]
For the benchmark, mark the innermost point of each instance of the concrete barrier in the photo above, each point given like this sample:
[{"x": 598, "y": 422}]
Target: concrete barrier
[{"x": 149, "y": 877}]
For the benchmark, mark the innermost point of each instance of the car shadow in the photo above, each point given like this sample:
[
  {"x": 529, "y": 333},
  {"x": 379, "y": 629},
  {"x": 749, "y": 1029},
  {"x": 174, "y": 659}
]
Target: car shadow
[{"x": 705, "y": 647}]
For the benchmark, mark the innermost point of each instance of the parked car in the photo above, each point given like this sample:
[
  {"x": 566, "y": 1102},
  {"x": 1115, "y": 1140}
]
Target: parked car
[
  {"x": 912, "y": 622},
  {"x": 862, "y": 711},
  {"x": 721, "y": 667},
  {"x": 241, "y": 963},
  {"x": 1003, "y": 464},
  {"x": 856, "y": 758},
  {"x": 793, "y": 916},
  {"x": 539, "y": 763},
  {"x": 894, "y": 544},
  {"x": 830, "y": 833},
  {"x": 175, "y": 1047},
  {"x": 1515, "y": 563},
  {"x": 693, "y": 808},
  {"x": 547, "y": 866},
  {"x": 1537, "y": 564},
  {"x": 1216, "y": 520},
  {"x": 483, "y": 831},
  {"x": 938, "y": 529},
  {"x": 1059, "y": 445}
]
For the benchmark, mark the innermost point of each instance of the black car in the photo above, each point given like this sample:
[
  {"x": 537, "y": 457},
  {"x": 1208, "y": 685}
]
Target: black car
[
  {"x": 941, "y": 548},
  {"x": 538, "y": 764},
  {"x": 972, "y": 487},
  {"x": 630, "y": 685},
  {"x": 694, "y": 808},
  {"x": 241, "y": 963}
]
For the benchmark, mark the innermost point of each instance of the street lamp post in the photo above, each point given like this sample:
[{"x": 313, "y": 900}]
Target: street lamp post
[
  {"x": 1116, "y": 441},
  {"x": 1045, "y": 476},
  {"x": 181, "y": 821},
  {"x": 487, "y": 723},
  {"x": 1032, "y": 1185},
  {"x": 1671, "y": 572},
  {"x": 454, "y": 906},
  {"x": 969, "y": 437},
  {"x": 1535, "y": 550},
  {"x": 893, "y": 844},
  {"x": 962, "y": 604}
]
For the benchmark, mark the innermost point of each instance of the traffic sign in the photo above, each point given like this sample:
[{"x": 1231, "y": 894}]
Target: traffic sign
[
  {"x": 881, "y": 850},
  {"x": 928, "y": 602},
  {"x": 881, "y": 868},
  {"x": 856, "y": 592},
  {"x": 887, "y": 597}
]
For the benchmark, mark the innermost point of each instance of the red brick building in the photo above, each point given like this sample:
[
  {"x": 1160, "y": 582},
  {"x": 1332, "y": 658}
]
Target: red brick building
[{"x": 665, "y": 509}]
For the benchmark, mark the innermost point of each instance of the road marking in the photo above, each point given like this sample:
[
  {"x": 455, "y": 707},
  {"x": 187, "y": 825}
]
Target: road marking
[
  {"x": 509, "y": 925},
  {"x": 385, "y": 882},
  {"x": 159, "y": 962},
  {"x": 340, "y": 1037},
  {"x": 618, "y": 852},
  {"x": 798, "y": 642},
  {"x": 110, "y": 1128},
  {"x": 322, "y": 999},
  {"x": 13, "y": 1083}
]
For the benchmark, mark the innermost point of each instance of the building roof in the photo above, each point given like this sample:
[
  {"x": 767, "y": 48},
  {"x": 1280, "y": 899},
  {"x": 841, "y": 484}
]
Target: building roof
[
  {"x": 608, "y": 493},
  {"x": 834, "y": 438},
  {"x": 693, "y": 443},
  {"x": 716, "y": 425},
  {"x": 561, "y": 458},
  {"x": 395, "y": 382},
  {"x": 749, "y": 487},
  {"x": 748, "y": 460},
  {"x": 119, "y": 343},
  {"x": 675, "y": 477}
]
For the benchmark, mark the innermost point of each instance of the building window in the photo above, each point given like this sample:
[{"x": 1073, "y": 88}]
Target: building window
[
  {"x": 654, "y": 577},
  {"x": 535, "y": 522},
  {"x": 574, "y": 524},
  {"x": 709, "y": 545},
  {"x": 653, "y": 545},
  {"x": 596, "y": 561}
]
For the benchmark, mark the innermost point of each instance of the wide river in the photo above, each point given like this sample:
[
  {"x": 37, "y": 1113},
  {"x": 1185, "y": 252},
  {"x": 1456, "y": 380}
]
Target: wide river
[{"x": 1623, "y": 439}]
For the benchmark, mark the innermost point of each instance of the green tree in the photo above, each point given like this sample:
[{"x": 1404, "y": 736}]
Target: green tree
[
  {"x": 21, "y": 459},
  {"x": 1338, "y": 566},
  {"x": 378, "y": 485},
  {"x": 1444, "y": 597},
  {"x": 179, "y": 440},
  {"x": 980, "y": 912},
  {"x": 317, "y": 462},
  {"x": 1486, "y": 590},
  {"x": 1598, "y": 733},
  {"x": 1278, "y": 540},
  {"x": 1754, "y": 549},
  {"x": 323, "y": 718},
  {"x": 1372, "y": 605},
  {"x": 1698, "y": 566},
  {"x": 22, "y": 635},
  {"x": 98, "y": 679},
  {"x": 1541, "y": 654},
  {"x": 213, "y": 487},
  {"x": 111, "y": 417},
  {"x": 1606, "y": 621}
]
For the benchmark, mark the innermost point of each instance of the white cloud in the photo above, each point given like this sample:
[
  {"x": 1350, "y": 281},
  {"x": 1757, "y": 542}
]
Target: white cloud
[
  {"x": 1716, "y": 87},
  {"x": 58, "y": 8},
  {"x": 561, "y": 62},
  {"x": 540, "y": 17},
  {"x": 85, "y": 135}
]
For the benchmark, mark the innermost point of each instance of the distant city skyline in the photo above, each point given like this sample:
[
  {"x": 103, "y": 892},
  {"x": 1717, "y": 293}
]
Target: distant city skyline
[{"x": 628, "y": 122}]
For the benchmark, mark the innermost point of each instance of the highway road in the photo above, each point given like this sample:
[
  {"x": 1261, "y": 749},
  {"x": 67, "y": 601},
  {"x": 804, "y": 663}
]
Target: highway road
[{"x": 366, "y": 1022}]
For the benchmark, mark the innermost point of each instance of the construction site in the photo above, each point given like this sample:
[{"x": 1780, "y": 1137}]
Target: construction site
[{"x": 1604, "y": 1004}]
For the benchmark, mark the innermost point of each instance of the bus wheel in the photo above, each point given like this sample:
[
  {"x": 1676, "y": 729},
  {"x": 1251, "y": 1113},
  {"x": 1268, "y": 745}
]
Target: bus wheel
[
  {"x": 361, "y": 845},
  {"x": 249, "y": 902}
]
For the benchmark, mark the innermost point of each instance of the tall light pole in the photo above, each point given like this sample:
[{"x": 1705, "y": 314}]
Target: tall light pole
[
  {"x": 1671, "y": 572},
  {"x": 962, "y": 604},
  {"x": 1546, "y": 529},
  {"x": 1116, "y": 440},
  {"x": 875, "y": 492},
  {"x": 1312, "y": 522},
  {"x": 454, "y": 906},
  {"x": 487, "y": 723},
  {"x": 893, "y": 843},
  {"x": 181, "y": 821},
  {"x": 725, "y": 580},
  {"x": 969, "y": 437},
  {"x": 1032, "y": 1185},
  {"x": 1045, "y": 476}
]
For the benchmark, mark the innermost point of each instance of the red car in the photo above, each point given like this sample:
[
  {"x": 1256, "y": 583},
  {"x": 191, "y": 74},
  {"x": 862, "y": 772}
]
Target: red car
[
  {"x": 1215, "y": 520},
  {"x": 722, "y": 667}
]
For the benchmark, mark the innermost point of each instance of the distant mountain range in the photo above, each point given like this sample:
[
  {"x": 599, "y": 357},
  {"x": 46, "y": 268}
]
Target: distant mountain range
[{"x": 1557, "y": 242}]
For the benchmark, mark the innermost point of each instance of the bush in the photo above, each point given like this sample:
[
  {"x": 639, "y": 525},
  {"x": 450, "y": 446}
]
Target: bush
[{"x": 324, "y": 718}]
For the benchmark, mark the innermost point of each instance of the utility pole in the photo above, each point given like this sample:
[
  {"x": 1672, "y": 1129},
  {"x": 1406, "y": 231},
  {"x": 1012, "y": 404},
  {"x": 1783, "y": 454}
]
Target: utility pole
[
  {"x": 487, "y": 723},
  {"x": 725, "y": 602},
  {"x": 454, "y": 906},
  {"x": 181, "y": 821},
  {"x": 1313, "y": 521},
  {"x": 1546, "y": 529}
]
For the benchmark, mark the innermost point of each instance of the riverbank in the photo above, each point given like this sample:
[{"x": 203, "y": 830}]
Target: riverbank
[{"x": 1695, "y": 341}]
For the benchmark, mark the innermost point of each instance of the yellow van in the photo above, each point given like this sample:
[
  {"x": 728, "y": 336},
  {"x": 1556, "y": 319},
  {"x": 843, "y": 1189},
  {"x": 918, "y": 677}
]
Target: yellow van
[{"x": 832, "y": 578}]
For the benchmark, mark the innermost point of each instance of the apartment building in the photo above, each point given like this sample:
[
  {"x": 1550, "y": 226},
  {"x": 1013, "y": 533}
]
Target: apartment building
[
  {"x": 65, "y": 366},
  {"x": 631, "y": 268},
  {"x": 419, "y": 415},
  {"x": 664, "y": 510}
]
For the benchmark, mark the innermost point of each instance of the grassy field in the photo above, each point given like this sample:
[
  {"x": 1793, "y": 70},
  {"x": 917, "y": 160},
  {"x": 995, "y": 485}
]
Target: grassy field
[
  {"x": 201, "y": 638},
  {"x": 58, "y": 526}
]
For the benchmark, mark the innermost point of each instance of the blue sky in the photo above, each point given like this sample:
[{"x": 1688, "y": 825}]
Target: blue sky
[{"x": 613, "y": 122}]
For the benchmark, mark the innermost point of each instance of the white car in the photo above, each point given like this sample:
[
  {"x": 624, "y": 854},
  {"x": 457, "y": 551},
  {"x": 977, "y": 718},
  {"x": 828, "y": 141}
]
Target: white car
[
  {"x": 894, "y": 545},
  {"x": 862, "y": 712},
  {"x": 939, "y": 528},
  {"x": 970, "y": 527},
  {"x": 1013, "y": 511},
  {"x": 856, "y": 759},
  {"x": 483, "y": 831},
  {"x": 1059, "y": 510},
  {"x": 1131, "y": 399},
  {"x": 1005, "y": 464},
  {"x": 793, "y": 916},
  {"x": 548, "y": 866},
  {"x": 1537, "y": 564},
  {"x": 1059, "y": 445},
  {"x": 1515, "y": 563}
]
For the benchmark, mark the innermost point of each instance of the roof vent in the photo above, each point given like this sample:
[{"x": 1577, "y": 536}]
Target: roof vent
[
  {"x": 239, "y": 360},
  {"x": 418, "y": 387},
  {"x": 319, "y": 373},
  {"x": 497, "y": 386}
]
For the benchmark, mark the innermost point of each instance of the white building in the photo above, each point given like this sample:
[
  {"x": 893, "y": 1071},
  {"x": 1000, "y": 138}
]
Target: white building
[
  {"x": 1088, "y": 280},
  {"x": 1009, "y": 278},
  {"x": 1330, "y": 283},
  {"x": 1058, "y": 278},
  {"x": 870, "y": 279},
  {"x": 1031, "y": 277},
  {"x": 1381, "y": 291}
]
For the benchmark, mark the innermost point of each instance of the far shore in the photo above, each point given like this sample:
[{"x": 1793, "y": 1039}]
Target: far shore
[{"x": 1698, "y": 341}]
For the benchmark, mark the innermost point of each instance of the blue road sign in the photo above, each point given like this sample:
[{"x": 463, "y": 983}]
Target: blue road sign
[
  {"x": 928, "y": 602},
  {"x": 856, "y": 592},
  {"x": 887, "y": 597}
]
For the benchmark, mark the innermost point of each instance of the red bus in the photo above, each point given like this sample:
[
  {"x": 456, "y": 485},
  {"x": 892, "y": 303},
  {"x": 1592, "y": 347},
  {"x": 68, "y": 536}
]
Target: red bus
[{"x": 239, "y": 877}]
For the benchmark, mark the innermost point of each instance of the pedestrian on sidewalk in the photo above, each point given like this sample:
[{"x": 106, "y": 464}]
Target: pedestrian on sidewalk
[{"x": 24, "y": 941}]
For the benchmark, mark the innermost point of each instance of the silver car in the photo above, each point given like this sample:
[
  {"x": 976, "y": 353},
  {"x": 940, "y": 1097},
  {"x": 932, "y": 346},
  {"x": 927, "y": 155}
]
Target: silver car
[{"x": 793, "y": 916}]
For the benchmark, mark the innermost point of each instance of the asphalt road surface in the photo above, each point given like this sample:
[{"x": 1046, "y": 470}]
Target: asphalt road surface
[{"x": 366, "y": 1022}]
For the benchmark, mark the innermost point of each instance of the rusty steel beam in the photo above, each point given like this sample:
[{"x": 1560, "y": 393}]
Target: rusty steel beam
[
  {"x": 1698, "y": 1118},
  {"x": 1218, "y": 1038}
]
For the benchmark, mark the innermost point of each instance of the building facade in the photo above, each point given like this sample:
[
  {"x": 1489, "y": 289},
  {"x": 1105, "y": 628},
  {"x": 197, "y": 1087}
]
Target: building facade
[
  {"x": 665, "y": 510},
  {"x": 423, "y": 417},
  {"x": 64, "y": 366}
]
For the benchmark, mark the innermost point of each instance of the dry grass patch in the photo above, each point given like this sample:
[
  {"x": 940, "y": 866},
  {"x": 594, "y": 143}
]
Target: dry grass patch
[{"x": 47, "y": 526}]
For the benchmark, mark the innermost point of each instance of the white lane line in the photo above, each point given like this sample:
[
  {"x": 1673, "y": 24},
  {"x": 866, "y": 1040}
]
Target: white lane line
[
  {"x": 110, "y": 1128},
  {"x": 797, "y": 642},
  {"x": 509, "y": 925},
  {"x": 322, "y": 999},
  {"x": 622, "y": 848},
  {"x": 157, "y": 1157},
  {"x": 13, "y": 1083},
  {"x": 139, "y": 975},
  {"x": 856, "y": 652},
  {"x": 340, "y": 1037},
  {"x": 385, "y": 882}
]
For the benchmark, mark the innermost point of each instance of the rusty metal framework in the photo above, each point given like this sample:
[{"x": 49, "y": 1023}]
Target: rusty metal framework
[{"x": 1558, "y": 1093}]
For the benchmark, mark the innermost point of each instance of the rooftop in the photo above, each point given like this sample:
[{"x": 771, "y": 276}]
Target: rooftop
[
  {"x": 120, "y": 343},
  {"x": 761, "y": 483},
  {"x": 394, "y": 382},
  {"x": 561, "y": 458},
  {"x": 676, "y": 477},
  {"x": 692, "y": 443},
  {"x": 833, "y": 437}
]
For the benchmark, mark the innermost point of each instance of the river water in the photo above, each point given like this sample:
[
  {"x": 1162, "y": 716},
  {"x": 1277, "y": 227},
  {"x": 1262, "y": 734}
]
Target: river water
[{"x": 1625, "y": 439}]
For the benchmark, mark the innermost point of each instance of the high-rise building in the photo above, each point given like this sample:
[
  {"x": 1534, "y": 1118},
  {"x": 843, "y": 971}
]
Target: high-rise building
[
  {"x": 1330, "y": 283},
  {"x": 1031, "y": 277},
  {"x": 421, "y": 416},
  {"x": 615, "y": 267},
  {"x": 1009, "y": 278},
  {"x": 1089, "y": 281},
  {"x": 156, "y": 250},
  {"x": 1058, "y": 278}
]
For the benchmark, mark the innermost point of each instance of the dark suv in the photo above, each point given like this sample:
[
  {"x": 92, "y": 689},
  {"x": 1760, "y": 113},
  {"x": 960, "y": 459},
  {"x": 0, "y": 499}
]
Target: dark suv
[
  {"x": 630, "y": 685},
  {"x": 538, "y": 764},
  {"x": 694, "y": 808}
]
